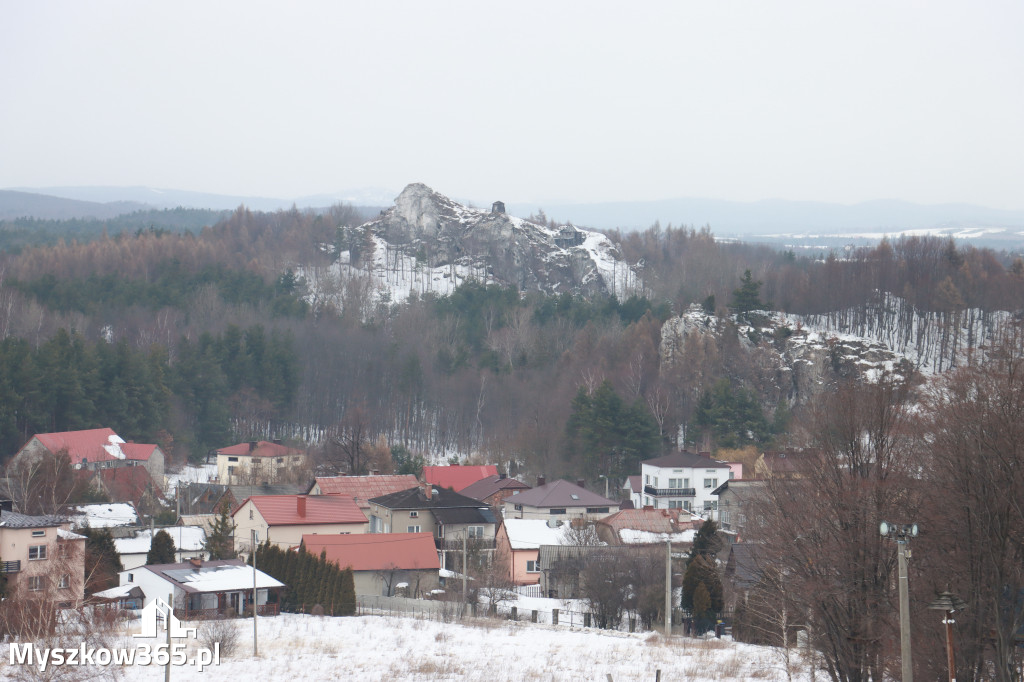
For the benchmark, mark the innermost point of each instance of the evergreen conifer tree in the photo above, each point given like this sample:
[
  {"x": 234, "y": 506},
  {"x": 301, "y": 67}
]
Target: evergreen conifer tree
[
  {"x": 220, "y": 540},
  {"x": 161, "y": 549}
]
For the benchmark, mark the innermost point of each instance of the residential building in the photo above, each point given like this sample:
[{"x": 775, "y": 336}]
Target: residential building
[
  {"x": 457, "y": 476},
  {"x": 648, "y": 526},
  {"x": 96, "y": 449},
  {"x": 258, "y": 462},
  {"x": 396, "y": 563},
  {"x": 735, "y": 498},
  {"x": 448, "y": 516},
  {"x": 362, "y": 489},
  {"x": 518, "y": 547},
  {"x": 204, "y": 498},
  {"x": 559, "y": 499},
  {"x": 41, "y": 558},
  {"x": 128, "y": 484},
  {"x": 494, "y": 489},
  {"x": 202, "y": 589},
  {"x": 134, "y": 545},
  {"x": 282, "y": 520},
  {"x": 682, "y": 480}
]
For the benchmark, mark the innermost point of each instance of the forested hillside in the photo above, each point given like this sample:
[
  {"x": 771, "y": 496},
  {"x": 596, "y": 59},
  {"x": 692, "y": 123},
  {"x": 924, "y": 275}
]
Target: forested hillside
[{"x": 198, "y": 339}]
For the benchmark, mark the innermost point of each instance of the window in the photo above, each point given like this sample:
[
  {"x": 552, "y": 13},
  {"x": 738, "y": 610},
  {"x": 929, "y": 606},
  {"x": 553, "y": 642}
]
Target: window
[
  {"x": 414, "y": 514},
  {"x": 296, "y": 459},
  {"x": 655, "y": 481},
  {"x": 675, "y": 504},
  {"x": 732, "y": 474},
  {"x": 674, "y": 483},
  {"x": 555, "y": 511},
  {"x": 232, "y": 459},
  {"x": 65, "y": 582},
  {"x": 687, "y": 506},
  {"x": 710, "y": 505},
  {"x": 518, "y": 507},
  {"x": 36, "y": 552},
  {"x": 597, "y": 510},
  {"x": 280, "y": 460},
  {"x": 711, "y": 483},
  {"x": 131, "y": 577},
  {"x": 533, "y": 567},
  {"x": 686, "y": 483},
  {"x": 647, "y": 479},
  {"x": 475, "y": 532},
  {"x": 412, "y": 529},
  {"x": 38, "y": 533},
  {"x": 231, "y": 471},
  {"x": 647, "y": 501},
  {"x": 36, "y": 582}
]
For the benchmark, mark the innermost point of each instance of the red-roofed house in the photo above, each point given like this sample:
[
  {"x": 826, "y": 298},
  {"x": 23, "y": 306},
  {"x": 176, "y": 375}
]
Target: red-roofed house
[
  {"x": 128, "y": 484},
  {"x": 457, "y": 476},
  {"x": 284, "y": 519},
  {"x": 258, "y": 462},
  {"x": 383, "y": 562},
  {"x": 362, "y": 488},
  {"x": 96, "y": 449}
]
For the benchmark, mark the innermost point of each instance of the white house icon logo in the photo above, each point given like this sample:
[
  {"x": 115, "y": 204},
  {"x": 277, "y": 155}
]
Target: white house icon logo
[{"x": 156, "y": 611}]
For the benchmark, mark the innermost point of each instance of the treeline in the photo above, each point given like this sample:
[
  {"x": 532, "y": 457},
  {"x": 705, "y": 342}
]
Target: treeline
[
  {"x": 185, "y": 396},
  {"x": 312, "y": 580}
]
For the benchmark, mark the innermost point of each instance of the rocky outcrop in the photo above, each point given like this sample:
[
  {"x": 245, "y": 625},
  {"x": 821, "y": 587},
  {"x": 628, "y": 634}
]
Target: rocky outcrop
[{"x": 427, "y": 242}]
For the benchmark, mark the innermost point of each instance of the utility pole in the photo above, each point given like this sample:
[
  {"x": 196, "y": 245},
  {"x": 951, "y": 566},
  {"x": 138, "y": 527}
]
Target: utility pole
[
  {"x": 255, "y": 644},
  {"x": 902, "y": 535},
  {"x": 668, "y": 589},
  {"x": 465, "y": 599},
  {"x": 167, "y": 622}
]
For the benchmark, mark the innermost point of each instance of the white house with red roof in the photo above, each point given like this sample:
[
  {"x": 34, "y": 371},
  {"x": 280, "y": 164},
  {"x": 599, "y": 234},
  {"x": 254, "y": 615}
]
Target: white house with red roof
[
  {"x": 258, "y": 462},
  {"x": 282, "y": 520},
  {"x": 97, "y": 449},
  {"x": 382, "y": 562}
]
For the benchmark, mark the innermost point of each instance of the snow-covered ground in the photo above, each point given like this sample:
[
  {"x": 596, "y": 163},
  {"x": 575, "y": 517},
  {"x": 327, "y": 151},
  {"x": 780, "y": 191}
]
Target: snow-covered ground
[
  {"x": 203, "y": 473},
  {"x": 296, "y": 647}
]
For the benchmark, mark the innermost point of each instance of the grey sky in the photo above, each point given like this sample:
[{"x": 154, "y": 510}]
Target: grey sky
[{"x": 524, "y": 101}]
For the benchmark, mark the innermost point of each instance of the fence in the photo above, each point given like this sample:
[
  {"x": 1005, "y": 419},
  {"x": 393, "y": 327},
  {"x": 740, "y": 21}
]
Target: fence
[{"x": 449, "y": 611}]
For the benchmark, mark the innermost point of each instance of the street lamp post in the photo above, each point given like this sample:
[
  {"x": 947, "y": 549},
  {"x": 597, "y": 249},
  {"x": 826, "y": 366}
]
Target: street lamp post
[
  {"x": 605, "y": 485},
  {"x": 902, "y": 534},
  {"x": 948, "y": 603}
]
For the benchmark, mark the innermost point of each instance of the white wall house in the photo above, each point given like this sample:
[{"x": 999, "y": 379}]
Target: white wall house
[{"x": 682, "y": 480}]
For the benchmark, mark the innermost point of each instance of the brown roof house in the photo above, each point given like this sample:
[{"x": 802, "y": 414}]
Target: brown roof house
[
  {"x": 383, "y": 564},
  {"x": 282, "y": 520},
  {"x": 362, "y": 488},
  {"x": 448, "y": 516},
  {"x": 559, "y": 500},
  {"x": 494, "y": 489},
  {"x": 648, "y": 526}
]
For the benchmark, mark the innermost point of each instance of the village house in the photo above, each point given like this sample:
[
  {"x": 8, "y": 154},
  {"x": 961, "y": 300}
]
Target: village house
[
  {"x": 41, "y": 558},
  {"x": 282, "y": 520},
  {"x": 96, "y": 449},
  {"x": 494, "y": 489},
  {"x": 560, "y": 500},
  {"x": 518, "y": 547},
  {"x": 648, "y": 526},
  {"x": 383, "y": 565},
  {"x": 681, "y": 480},
  {"x": 202, "y": 589},
  {"x": 362, "y": 489},
  {"x": 449, "y": 517},
  {"x": 258, "y": 462},
  {"x": 131, "y": 485},
  {"x": 133, "y": 544}
]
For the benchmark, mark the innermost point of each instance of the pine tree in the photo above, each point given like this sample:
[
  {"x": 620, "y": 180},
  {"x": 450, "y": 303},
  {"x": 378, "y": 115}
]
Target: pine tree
[
  {"x": 707, "y": 542},
  {"x": 746, "y": 298},
  {"x": 161, "y": 549},
  {"x": 348, "y": 592},
  {"x": 220, "y": 540}
]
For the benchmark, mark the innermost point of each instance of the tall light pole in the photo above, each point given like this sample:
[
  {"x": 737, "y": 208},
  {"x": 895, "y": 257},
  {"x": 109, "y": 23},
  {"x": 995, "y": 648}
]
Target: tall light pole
[
  {"x": 949, "y": 603},
  {"x": 902, "y": 534}
]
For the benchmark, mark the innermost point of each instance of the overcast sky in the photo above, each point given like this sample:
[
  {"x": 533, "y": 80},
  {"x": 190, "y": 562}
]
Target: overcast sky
[{"x": 523, "y": 101}]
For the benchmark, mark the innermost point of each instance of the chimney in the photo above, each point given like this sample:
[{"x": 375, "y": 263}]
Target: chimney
[
  {"x": 196, "y": 562},
  {"x": 300, "y": 505},
  {"x": 581, "y": 483},
  {"x": 540, "y": 481},
  {"x": 428, "y": 490},
  {"x": 375, "y": 472},
  {"x": 252, "y": 445},
  {"x": 277, "y": 441}
]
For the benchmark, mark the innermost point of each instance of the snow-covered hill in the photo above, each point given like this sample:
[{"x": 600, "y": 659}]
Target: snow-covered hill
[{"x": 428, "y": 243}]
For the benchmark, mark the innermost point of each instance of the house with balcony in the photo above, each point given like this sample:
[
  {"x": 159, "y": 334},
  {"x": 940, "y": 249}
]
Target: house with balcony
[
  {"x": 449, "y": 517},
  {"x": 42, "y": 558},
  {"x": 681, "y": 480}
]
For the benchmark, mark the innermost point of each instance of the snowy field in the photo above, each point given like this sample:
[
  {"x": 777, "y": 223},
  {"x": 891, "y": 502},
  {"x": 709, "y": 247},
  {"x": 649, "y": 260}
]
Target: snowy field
[{"x": 298, "y": 647}]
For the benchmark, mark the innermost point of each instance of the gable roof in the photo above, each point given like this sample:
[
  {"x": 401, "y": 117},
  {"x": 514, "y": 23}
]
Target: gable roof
[
  {"x": 212, "y": 576},
  {"x": 649, "y": 520},
  {"x": 560, "y": 494},
  {"x": 446, "y": 516},
  {"x": 139, "y": 451},
  {"x": 262, "y": 448},
  {"x": 186, "y": 539},
  {"x": 633, "y": 483},
  {"x": 494, "y": 483},
  {"x": 283, "y": 510},
  {"x": 12, "y": 519},
  {"x": 415, "y": 498},
  {"x": 745, "y": 564},
  {"x": 457, "y": 476},
  {"x": 90, "y": 445},
  {"x": 685, "y": 460},
  {"x": 363, "y": 488},
  {"x": 376, "y": 551}
]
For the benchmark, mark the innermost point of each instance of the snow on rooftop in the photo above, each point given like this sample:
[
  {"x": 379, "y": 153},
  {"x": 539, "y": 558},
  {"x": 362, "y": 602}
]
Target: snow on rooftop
[
  {"x": 68, "y": 535},
  {"x": 532, "y": 533},
  {"x": 204, "y": 473},
  {"x": 646, "y": 537},
  {"x": 186, "y": 539},
  {"x": 104, "y": 515},
  {"x": 220, "y": 578}
]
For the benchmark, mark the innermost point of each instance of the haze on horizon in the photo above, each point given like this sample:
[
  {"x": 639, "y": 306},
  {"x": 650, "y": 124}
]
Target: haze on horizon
[{"x": 528, "y": 102}]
